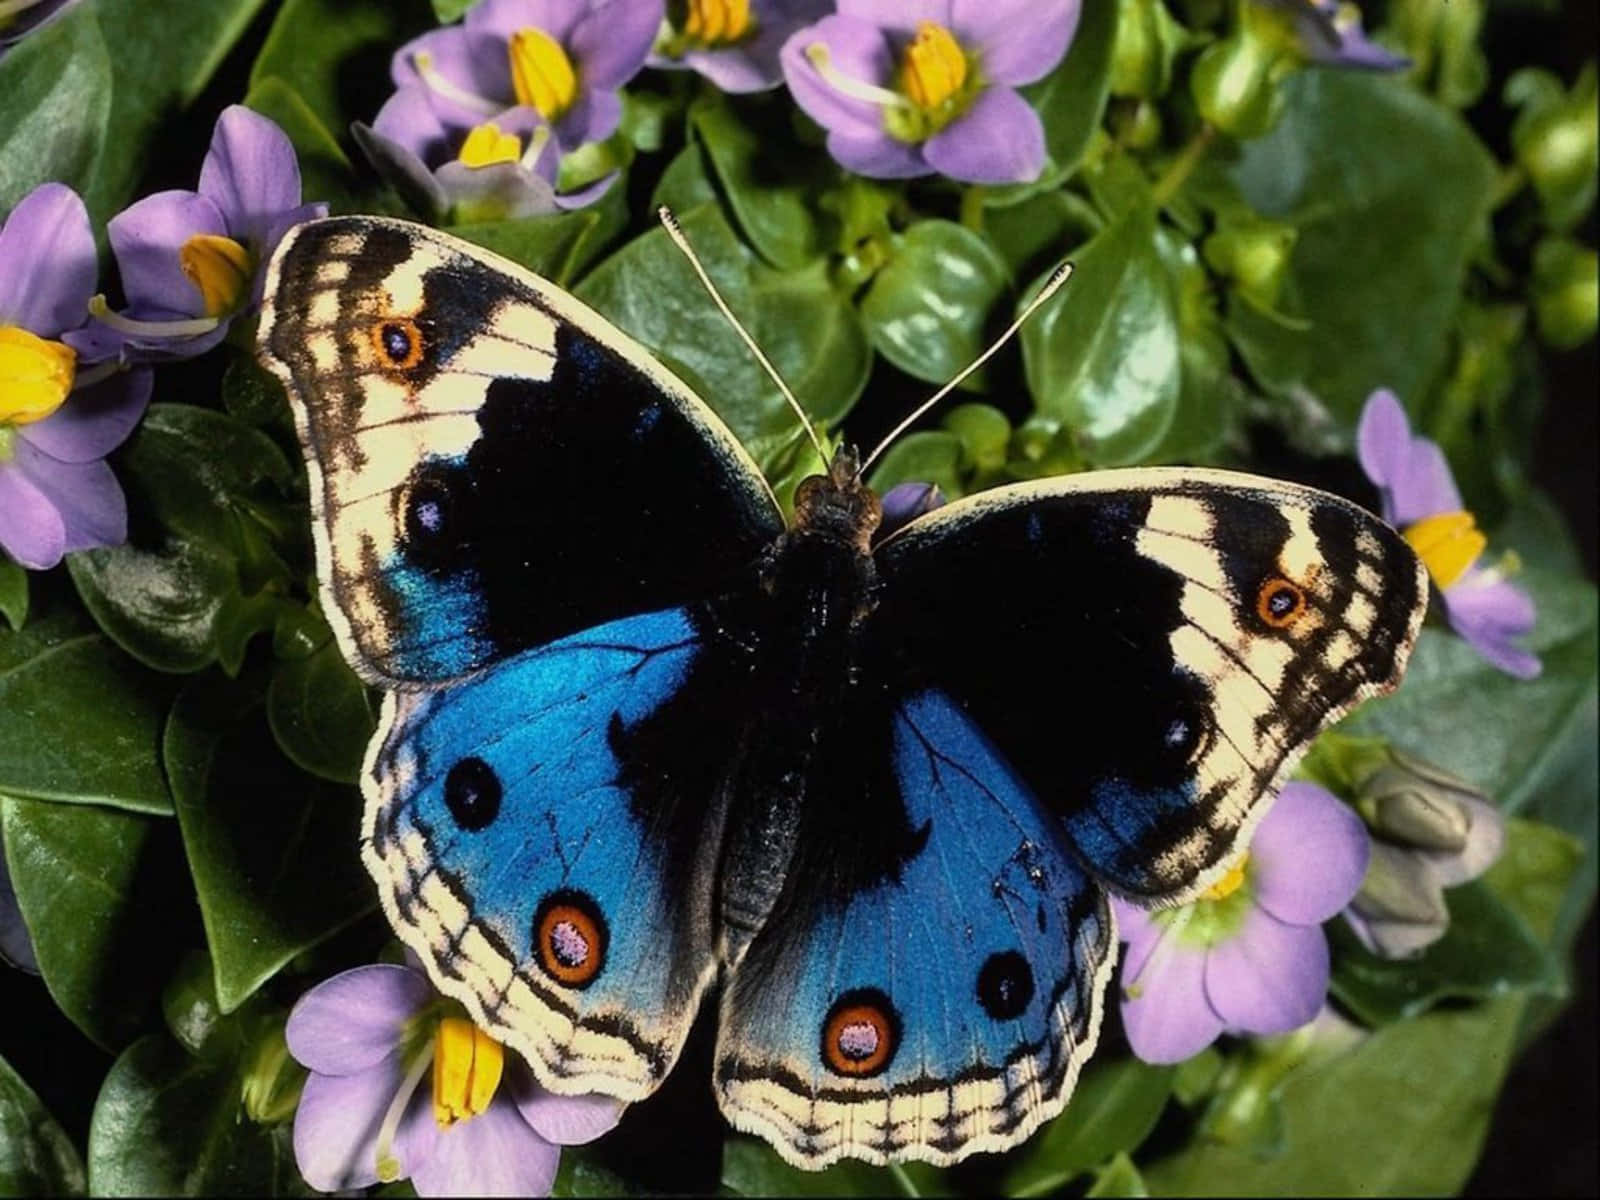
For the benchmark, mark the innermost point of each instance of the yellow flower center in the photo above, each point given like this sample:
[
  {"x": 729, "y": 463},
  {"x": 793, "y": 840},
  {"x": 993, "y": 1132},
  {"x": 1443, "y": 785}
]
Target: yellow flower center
[
  {"x": 934, "y": 68},
  {"x": 717, "y": 22},
  {"x": 35, "y": 375},
  {"x": 488, "y": 144},
  {"x": 541, "y": 73},
  {"x": 1230, "y": 883},
  {"x": 220, "y": 268},
  {"x": 1447, "y": 543},
  {"x": 467, "y": 1064}
]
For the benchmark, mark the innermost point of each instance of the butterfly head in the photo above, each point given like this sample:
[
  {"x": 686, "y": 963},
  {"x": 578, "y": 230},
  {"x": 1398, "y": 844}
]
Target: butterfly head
[{"x": 839, "y": 504}]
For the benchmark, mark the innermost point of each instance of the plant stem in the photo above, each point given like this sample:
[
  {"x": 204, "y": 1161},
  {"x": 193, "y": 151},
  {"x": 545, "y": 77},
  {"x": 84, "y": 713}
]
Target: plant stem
[{"x": 1183, "y": 166}]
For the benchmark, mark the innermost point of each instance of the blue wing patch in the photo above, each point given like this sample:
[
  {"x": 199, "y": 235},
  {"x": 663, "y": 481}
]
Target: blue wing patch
[
  {"x": 939, "y": 1013},
  {"x": 514, "y": 858}
]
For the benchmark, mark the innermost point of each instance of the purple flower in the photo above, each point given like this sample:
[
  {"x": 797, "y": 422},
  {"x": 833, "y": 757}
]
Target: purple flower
[
  {"x": 1330, "y": 34},
  {"x": 193, "y": 261},
  {"x": 904, "y": 503},
  {"x": 911, "y": 87},
  {"x": 1421, "y": 500},
  {"x": 501, "y": 168},
  {"x": 733, "y": 43},
  {"x": 370, "y": 1037},
  {"x": 58, "y": 420},
  {"x": 16, "y": 943},
  {"x": 1249, "y": 955},
  {"x": 19, "y": 18},
  {"x": 565, "y": 59}
]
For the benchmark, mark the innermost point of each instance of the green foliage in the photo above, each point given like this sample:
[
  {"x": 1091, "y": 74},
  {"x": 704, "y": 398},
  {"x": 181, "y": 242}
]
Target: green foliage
[
  {"x": 55, "y": 100},
  {"x": 36, "y": 1157}
]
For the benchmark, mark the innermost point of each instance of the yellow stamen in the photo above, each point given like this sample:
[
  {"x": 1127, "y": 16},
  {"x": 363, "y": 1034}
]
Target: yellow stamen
[
  {"x": 717, "y": 22},
  {"x": 220, "y": 268},
  {"x": 488, "y": 144},
  {"x": 541, "y": 73},
  {"x": 467, "y": 1064},
  {"x": 934, "y": 68},
  {"x": 1447, "y": 543},
  {"x": 35, "y": 375},
  {"x": 1230, "y": 883}
]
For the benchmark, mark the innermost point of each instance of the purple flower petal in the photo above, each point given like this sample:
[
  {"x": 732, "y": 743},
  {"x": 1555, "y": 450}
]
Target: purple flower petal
[
  {"x": 475, "y": 62},
  {"x": 587, "y": 194},
  {"x": 502, "y": 18},
  {"x": 1411, "y": 471},
  {"x": 250, "y": 173},
  {"x": 904, "y": 503},
  {"x": 47, "y": 262},
  {"x": 92, "y": 422},
  {"x": 562, "y": 1120},
  {"x": 752, "y": 65},
  {"x": 31, "y": 530},
  {"x": 611, "y": 43},
  {"x": 902, "y": 16},
  {"x": 1269, "y": 977},
  {"x": 593, "y": 117},
  {"x": 495, "y": 1153},
  {"x": 146, "y": 238},
  {"x": 352, "y": 1021},
  {"x": 1000, "y": 139},
  {"x": 857, "y": 49},
  {"x": 1017, "y": 41},
  {"x": 337, "y": 1123},
  {"x": 1308, "y": 855},
  {"x": 1488, "y": 613},
  {"x": 408, "y": 120},
  {"x": 86, "y": 497},
  {"x": 16, "y": 943},
  {"x": 1168, "y": 1020},
  {"x": 878, "y": 156}
]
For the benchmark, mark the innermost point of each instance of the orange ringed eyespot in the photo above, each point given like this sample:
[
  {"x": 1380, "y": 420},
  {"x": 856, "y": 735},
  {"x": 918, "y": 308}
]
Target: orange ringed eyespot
[
  {"x": 570, "y": 938},
  {"x": 398, "y": 342},
  {"x": 1280, "y": 603},
  {"x": 861, "y": 1034}
]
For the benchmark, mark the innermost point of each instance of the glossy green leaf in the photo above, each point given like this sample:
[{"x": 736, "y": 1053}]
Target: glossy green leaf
[
  {"x": 1118, "y": 1177},
  {"x": 36, "y": 1157},
  {"x": 1113, "y": 1109},
  {"x": 1103, "y": 355},
  {"x": 98, "y": 888},
  {"x": 335, "y": 54},
  {"x": 55, "y": 98},
  {"x": 752, "y": 1168},
  {"x": 13, "y": 593},
  {"x": 558, "y": 246},
  {"x": 1389, "y": 192},
  {"x": 1070, "y": 101},
  {"x": 686, "y": 184},
  {"x": 1037, "y": 233},
  {"x": 272, "y": 850},
  {"x": 928, "y": 308},
  {"x": 1210, "y": 399},
  {"x": 201, "y": 567},
  {"x": 168, "y": 1124},
  {"x": 773, "y": 196},
  {"x": 810, "y": 333},
  {"x": 255, "y": 396},
  {"x": 162, "y": 58},
  {"x": 927, "y": 456},
  {"x": 326, "y": 175},
  {"x": 319, "y": 713}
]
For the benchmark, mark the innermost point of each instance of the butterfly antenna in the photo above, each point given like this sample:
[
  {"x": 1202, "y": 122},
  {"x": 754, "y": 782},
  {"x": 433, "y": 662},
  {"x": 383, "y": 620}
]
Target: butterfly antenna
[
  {"x": 675, "y": 232},
  {"x": 1052, "y": 285}
]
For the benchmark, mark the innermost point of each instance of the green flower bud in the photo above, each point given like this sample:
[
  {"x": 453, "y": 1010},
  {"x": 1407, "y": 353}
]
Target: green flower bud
[
  {"x": 1566, "y": 292},
  {"x": 1235, "y": 84},
  {"x": 1441, "y": 37},
  {"x": 272, "y": 1078},
  {"x": 1148, "y": 41},
  {"x": 1136, "y": 123},
  {"x": 1556, "y": 139},
  {"x": 1254, "y": 253}
]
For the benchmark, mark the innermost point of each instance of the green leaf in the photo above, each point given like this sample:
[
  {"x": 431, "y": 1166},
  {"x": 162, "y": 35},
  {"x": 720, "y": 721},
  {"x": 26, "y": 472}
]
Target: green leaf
[
  {"x": 451, "y": 10},
  {"x": 97, "y": 888},
  {"x": 752, "y": 1168},
  {"x": 685, "y": 185},
  {"x": 13, "y": 593},
  {"x": 1115, "y": 1106},
  {"x": 272, "y": 851},
  {"x": 1070, "y": 101},
  {"x": 1034, "y": 235},
  {"x": 773, "y": 196},
  {"x": 927, "y": 308},
  {"x": 167, "y": 1124},
  {"x": 810, "y": 333},
  {"x": 319, "y": 713},
  {"x": 162, "y": 58},
  {"x": 558, "y": 246},
  {"x": 201, "y": 568},
  {"x": 1209, "y": 397},
  {"x": 36, "y": 1157},
  {"x": 1119, "y": 1177},
  {"x": 55, "y": 99},
  {"x": 1389, "y": 192},
  {"x": 1103, "y": 357},
  {"x": 927, "y": 456},
  {"x": 325, "y": 172},
  {"x": 255, "y": 396},
  {"x": 335, "y": 54}
]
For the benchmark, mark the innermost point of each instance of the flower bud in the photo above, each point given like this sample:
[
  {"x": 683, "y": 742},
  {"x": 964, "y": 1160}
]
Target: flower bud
[
  {"x": 1566, "y": 292},
  {"x": 1148, "y": 40},
  {"x": 1254, "y": 254},
  {"x": 1234, "y": 83},
  {"x": 1417, "y": 804},
  {"x": 272, "y": 1078},
  {"x": 1556, "y": 139}
]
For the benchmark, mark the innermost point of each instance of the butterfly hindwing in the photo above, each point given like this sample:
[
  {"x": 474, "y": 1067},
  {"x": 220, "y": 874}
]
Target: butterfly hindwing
[
  {"x": 1151, "y": 650},
  {"x": 492, "y": 465},
  {"x": 542, "y": 862},
  {"x": 943, "y": 1008}
]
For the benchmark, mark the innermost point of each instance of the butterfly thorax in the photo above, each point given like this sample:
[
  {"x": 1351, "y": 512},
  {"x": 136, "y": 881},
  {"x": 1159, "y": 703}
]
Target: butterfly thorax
[{"x": 839, "y": 505}]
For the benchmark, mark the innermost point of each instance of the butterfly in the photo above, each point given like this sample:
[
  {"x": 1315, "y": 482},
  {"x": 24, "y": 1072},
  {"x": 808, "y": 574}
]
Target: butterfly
[{"x": 640, "y": 735}]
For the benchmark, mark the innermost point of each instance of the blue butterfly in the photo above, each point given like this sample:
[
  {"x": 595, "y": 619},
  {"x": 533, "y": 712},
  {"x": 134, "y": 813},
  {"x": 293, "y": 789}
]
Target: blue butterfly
[{"x": 641, "y": 736}]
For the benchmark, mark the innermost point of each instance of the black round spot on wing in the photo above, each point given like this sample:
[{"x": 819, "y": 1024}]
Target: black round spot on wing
[
  {"x": 1005, "y": 985},
  {"x": 472, "y": 792},
  {"x": 397, "y": 342},
  {"x": 435, "y": 513}
]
